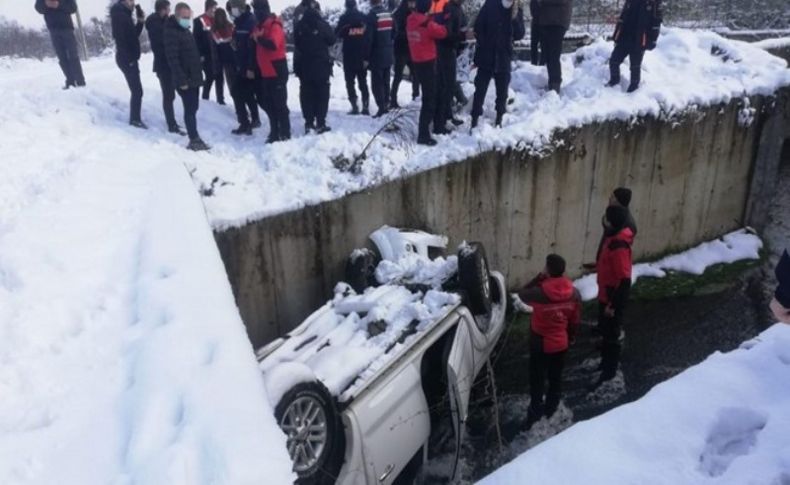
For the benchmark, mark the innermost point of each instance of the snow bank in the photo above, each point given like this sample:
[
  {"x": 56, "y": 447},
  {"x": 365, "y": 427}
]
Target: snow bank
[
  {"x": 776, "y": 43},
  {"x": 124, "y": 359},
  {"x": 724, "y": 421},
  {"x": 732, "y": 247}
]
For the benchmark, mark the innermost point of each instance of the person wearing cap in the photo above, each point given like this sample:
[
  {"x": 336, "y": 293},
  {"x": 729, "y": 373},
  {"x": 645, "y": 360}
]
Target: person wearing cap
[
  {"x": 212, "y": 73},
  {"x": 269, "y": 38},
  {"x": 313, "y": 37},
  {"x": 499, "y": 23},
  {"x": 423, "y": 32},
  {"x": 613, "y": 269},
  {"x": 402, "y": 55},
  {"x": 352, "y": 28},
  {"x": 636, "y": 32},
  {"x": 780, "y": 305},
  {"x": 379, "y": 54},
  {"x": 557, "y": 308},
  {"x": 243, "y": 88},
  {"x": 57, "y": 17}
]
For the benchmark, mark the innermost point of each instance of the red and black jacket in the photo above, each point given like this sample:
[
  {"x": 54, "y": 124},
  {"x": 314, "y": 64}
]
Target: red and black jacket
[
  {"x": 557, "y": 311},
  {"x": 614, "y": 268},
  {"x": 639, "y": 23},
  {"x": 269, "y": 37},
  {"x": 423, "y": 33}
]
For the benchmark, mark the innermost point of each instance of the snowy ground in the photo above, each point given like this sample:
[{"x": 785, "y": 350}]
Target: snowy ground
[
  {"x": 724, "y": 421},
  {"x": 122, "y": 355}
]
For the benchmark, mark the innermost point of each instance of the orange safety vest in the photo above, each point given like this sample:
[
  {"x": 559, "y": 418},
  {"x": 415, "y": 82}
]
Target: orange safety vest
[{"x": 437, "y": 6}]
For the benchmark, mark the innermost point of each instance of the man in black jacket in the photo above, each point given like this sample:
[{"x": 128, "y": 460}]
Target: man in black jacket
[
  {"x": 244, "y": 101},
  {"x": 57, "y": 15},
  {"x": 379, "y": 54},
  {"x": 155, "y": 25},
  {"x": 352, "y": 29},
  {"x": 554, "y": 20},
  {"x": 183, "y": 58},
  {"x": 402, "y": 55},
  {"x": 312, "y": 37},
  {"x": 126, "y": 31},
  {"x": 446, "y": 65},
  {"x": 637, "y": 31},
  {"x": 202, "y": 31},
  {"x": 498, "y": 24}
]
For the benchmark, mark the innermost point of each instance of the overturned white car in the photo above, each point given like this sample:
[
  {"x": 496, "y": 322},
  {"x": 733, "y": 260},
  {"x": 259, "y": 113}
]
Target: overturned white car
[{"x": 357, "y": 386}]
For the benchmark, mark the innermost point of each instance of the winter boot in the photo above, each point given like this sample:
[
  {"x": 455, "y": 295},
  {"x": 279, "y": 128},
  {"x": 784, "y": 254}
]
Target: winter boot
[
  {"x": 308, "y": 127},
  {"x": 138, "y": 124},
  {"x": 441, "y": 130},
  {"x": 427, "y": 141},
  {"x": 365, "y": 109},
  {"x": 632, "y": 87},
  {"x": 176, "y": 130},
  {"x": 198, "y": 145},
  {"x": 322, "y": 128},
  {"x": 243, "y": 130},
  {"x": 555, "y": 87},
  {"x": 498, "y": 121},
  {"x": 354, "y": 108},
  {"x": 475, "y": 119},
  {"x": 456, "y": 121},
  {"x": 255, "y": 124},
  {"x": 612, "y": 82}
]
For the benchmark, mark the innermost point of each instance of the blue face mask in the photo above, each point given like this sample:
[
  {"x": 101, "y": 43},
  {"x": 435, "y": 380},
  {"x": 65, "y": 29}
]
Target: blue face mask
[{"x": 185, "y": 23}]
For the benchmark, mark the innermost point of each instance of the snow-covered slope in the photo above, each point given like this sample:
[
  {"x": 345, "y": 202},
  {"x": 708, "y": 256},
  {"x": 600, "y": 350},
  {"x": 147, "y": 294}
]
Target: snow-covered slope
[
  {"x": 122, "y": 355},
  {"x": 724, "y": 421}
]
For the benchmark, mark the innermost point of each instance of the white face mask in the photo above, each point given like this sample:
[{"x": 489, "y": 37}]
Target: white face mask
[
  {"x": 235, "y": 12},
  {"x": 507, "y": 3}
]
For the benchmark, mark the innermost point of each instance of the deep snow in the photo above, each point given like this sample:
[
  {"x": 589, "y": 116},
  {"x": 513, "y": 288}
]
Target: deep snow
[
  {"x": 122, "y": 355},
  {"x": 724, "y": 421}
]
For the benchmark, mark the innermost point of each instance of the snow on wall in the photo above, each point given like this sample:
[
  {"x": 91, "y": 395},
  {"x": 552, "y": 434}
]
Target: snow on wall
[{"x": 724, "y": 421}]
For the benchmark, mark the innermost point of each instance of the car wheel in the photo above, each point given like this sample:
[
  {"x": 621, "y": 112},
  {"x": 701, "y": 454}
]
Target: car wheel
[
  {"x": 474, "y": 279},
  {"x": 361, "y": 269},
  {"x": 308, "y": 417}
]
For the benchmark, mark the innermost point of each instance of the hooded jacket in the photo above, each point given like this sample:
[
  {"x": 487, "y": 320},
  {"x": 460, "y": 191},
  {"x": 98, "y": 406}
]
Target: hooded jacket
[
  {"x": 183, "y": 56},
  {"x": 423, "y": 33},
  {"x": 557, "y": 310},
  {"x": 639, "y": 23},
  {"x": 312, "y": 37},
  {"x": 352, "y": 28},
  {"x": 58, "y": 18},
  {"x": 126, "y": 34},
  {"x": 614, "y": 268},
  {"x": 495, "y": 31}
]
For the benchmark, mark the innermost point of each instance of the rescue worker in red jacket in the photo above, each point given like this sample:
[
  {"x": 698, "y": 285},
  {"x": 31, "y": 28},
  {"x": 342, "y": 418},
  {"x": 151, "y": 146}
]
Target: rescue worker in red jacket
[
  {"x": 423, "y": 32},
  {"x": 555, "y": 320},
  {"x": 269, "y": 38},
  {"x": 614, "y": 286},
  {"x": 636, "y": 31}
]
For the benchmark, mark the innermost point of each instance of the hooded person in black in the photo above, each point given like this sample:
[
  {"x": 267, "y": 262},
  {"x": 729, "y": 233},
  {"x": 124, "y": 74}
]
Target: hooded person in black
[
  {"x": 126, "y": 31},
  {"x": 401, "y": 52},
  {"x": 57, "y": 15},
  {"x": 155, "y": 25},
  {"x": 499, "y": 23},
  {"x": 637, "y": 31},
  {"x": 352, "y": 28},
  {"x": 313, "y": 36}
]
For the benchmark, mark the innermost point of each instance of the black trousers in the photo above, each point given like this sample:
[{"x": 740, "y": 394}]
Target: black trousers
[
  {"x": 544, "y": 368},
  {"x": 426, "y": 74},
  {"x": 65, "y": 44},
  {"x": 314, "y": 98},
  {"x": 403, "y": 59},
  {"x": 535, "y": 49},
  {"x": 358, "y": 77},
  {"x": 168, "y": 97},
  {"x": 273, "y": 96},
  {"x": 610, "y": 329},
  {"x": 131, "y": 71},
  {"x": 380, "y": 85},
  {"x": 635, "y": 53},
  {"x": 242, "y": 90},
  {"x": 191, "y": 100},
  {"x": 445, "y": 91},
  {"x": 551, "y": 38},
  {"x": 212, "y": 75},
  {"x": 482, "y": 80}
]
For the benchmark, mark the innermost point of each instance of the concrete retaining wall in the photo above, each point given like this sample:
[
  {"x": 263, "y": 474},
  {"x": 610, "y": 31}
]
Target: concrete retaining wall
[{"x": 691, "y": 178}]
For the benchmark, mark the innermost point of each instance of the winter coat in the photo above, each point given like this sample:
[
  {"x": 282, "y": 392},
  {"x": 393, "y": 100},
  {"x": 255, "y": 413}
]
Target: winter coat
[
  {"x": 783, "y": 276},
  {"x": 183, "y": 56},
  {"x": 270, "y": 49},
  {"x": 639, "y": 23},
  {"x": 312, "y": 37},
  {"x": 58, "y": 18},
  {"x": 423, "y": 32},
  {"x": 352, "y": 29},
  {"x": 557, "y": 309},
  {"x": 379, "y": 52},
  {"x": 201, "y": 30},
  {"x": 451, "y": 18},
  {"x": 555, "y": 13},
  {"x": 495, "y": 31},
  {"x": 126, "y": 34},
  {"x": 244, "y": 24},
  {"x": 630, "y": 223},
  {"x": 399, "y": 17},
  {"x": 155, "y": 25},
  {"x": 614, "y": 268},
  {"x": 222, "y": 47}
]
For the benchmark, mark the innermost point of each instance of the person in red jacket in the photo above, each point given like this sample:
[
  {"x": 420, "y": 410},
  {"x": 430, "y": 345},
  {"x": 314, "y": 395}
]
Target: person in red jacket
[
  {"x": 269, "y": 38},
  {"x": 422, "y": 33},
  {"x": 555, "y": 320},
  {"x": 614, "y": 286}
]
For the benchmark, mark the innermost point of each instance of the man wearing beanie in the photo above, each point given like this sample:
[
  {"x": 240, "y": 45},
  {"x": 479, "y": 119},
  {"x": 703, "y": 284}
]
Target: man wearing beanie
[
  {"x": 556, "y": 317},
  {"x": 351, "y": 28},
  {"x": 422, "y": 33},
  {"x": 620, "y": 197},
  {"x": 269, "y": 38},
  {"x": 781, "y": 302},
  {"x": 614, "y": 285}
]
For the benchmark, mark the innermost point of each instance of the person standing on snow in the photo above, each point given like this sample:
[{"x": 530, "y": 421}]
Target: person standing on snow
[
  {"x": 423, "y": 32},
  {"x": 636, "y": 31},
  {"x": 556, "y": 316},
  {"x": 447, "y": 65},
  {"x": 212, "y": 74},
  {"x": 313, "y": 37},
  {"x": 57, "y": 15},
  {"x": 535, "y": 50},
  {"x": 379, "y": 54},
  {"x": 269, "y": 38},
  {"x": 620, "y": 197},
  {"x": 614, "y": 286},
  {"x": 224, "y": 55},
  {"x": 780, "y": 305},
  {"x": 183, "y": 58},
  {"x": 126, "y": 32},
  {"x": 401, "y": 52},
  {"x": 351, "y": 28},
  {"x": 498, "y": 24},
  {"x": 554, "y": 20},
  {"x": 155, "y": 25},
  {"x": 243, "y": 87}
]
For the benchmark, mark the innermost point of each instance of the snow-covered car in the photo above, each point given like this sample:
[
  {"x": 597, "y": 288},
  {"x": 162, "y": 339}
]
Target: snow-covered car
[{"x": 358, "y": 386}]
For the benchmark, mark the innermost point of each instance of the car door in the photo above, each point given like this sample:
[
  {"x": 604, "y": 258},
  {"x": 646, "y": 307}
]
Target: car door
[{"x": 460, "y": 378}]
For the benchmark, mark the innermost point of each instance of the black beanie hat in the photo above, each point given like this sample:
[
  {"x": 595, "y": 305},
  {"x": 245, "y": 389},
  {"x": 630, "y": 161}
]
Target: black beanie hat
[
  {"x": 623, "y": 196},
  {"x": 616, "y": 216},
  {"x": 423, "y": 6},
  {"x": 555, "y": 264}
]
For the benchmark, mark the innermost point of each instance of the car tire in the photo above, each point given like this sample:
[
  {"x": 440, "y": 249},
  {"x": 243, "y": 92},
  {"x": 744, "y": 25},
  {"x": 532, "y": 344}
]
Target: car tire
[
  {"x": 316, "y": 447},
  {"x": 361, "y": 269},
  {"x": 474, "y": 279}
]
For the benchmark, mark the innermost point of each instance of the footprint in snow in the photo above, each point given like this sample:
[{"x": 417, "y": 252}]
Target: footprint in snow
[{"x": 733, "y": 435}]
